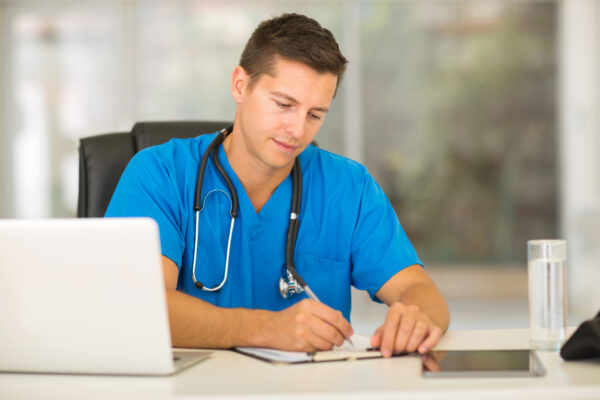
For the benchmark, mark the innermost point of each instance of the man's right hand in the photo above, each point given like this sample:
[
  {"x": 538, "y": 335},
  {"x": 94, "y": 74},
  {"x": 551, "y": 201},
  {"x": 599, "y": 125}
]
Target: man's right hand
[{"x": 307, "y": 326}]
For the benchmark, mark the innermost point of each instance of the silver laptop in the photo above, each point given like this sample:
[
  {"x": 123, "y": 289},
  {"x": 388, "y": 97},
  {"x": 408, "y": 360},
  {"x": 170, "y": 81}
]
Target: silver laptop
[{"x": 85, "y": 296}]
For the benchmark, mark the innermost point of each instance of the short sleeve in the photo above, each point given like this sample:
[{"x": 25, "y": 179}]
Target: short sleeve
[
  {"x": 380, "y": 247},
  {"x": 147, "y": 188}
]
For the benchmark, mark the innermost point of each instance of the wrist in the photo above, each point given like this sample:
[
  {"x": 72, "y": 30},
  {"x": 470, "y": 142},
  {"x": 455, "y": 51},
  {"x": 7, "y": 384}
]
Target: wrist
[{"x": 251, "y": 328}]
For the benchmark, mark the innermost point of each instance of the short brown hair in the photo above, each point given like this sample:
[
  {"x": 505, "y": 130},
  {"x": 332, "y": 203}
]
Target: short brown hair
[{"x": 294, "y": 37}]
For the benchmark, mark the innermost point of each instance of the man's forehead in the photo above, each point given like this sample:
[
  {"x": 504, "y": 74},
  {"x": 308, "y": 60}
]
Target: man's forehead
[
  {"x": 280, "y": 63},
  {"x": 292, "y": 76}
]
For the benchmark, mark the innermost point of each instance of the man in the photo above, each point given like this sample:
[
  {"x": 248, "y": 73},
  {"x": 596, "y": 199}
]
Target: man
[{"x": 348, "y": 232}]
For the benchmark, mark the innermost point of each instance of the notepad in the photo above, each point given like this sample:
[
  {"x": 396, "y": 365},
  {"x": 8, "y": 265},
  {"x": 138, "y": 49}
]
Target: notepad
[{"x": 361, "y": 350}]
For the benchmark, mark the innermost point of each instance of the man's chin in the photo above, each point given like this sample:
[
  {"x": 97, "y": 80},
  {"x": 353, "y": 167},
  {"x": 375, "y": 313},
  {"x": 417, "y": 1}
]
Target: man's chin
[{"x": 280, "y": 163}]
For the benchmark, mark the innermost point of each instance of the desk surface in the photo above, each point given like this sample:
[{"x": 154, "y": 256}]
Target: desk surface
[{"x": 231, "y": 375}]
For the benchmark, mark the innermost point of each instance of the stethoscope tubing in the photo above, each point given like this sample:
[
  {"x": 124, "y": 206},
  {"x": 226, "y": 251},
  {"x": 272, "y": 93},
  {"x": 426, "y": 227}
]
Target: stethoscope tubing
[
  {"x": 198, "y": 284},
  {"x": 292, "y": 233},
  {"x": 200, "y": 177}
]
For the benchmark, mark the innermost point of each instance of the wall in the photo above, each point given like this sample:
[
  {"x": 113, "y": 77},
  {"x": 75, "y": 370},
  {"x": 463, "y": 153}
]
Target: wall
[
  {"x": 579, "y": 149},
  {"x": 4, "y": 137}
]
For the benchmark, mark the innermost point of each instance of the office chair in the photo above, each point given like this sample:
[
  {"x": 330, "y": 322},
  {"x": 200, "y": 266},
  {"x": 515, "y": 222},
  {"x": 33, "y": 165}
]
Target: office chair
[{"x": 103, "y": 158}]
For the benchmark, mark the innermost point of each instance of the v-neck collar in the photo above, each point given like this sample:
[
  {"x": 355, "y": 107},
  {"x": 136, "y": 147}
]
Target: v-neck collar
[{"x": 278, "y": 205}]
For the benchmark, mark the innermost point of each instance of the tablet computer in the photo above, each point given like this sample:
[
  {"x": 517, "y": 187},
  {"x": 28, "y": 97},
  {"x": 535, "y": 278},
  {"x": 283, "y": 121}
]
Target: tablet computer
[{"x": 484, "y": 363}]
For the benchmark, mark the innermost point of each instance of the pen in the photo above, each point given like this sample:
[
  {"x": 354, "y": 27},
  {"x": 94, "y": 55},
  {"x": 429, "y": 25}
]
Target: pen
[{"x": 313, "y": 296}]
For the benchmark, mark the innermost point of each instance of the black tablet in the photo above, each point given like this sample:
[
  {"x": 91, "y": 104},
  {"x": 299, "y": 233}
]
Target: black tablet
[{"x": 485, "y": 363}]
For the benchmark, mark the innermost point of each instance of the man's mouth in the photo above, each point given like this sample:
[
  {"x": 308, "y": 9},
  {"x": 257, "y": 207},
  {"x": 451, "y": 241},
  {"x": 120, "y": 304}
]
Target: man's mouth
[{"x": 285, "y": 146}]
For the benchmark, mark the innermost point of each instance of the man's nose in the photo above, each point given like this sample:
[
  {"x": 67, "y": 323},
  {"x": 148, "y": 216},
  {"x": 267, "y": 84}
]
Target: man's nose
[{"x": 295, "y": 124}]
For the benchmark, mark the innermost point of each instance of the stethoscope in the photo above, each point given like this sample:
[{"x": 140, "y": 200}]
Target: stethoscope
[{"x": 290, "y": 282}]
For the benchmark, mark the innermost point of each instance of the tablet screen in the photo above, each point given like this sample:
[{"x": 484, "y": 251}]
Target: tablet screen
[{"x": 482, "y": 363}]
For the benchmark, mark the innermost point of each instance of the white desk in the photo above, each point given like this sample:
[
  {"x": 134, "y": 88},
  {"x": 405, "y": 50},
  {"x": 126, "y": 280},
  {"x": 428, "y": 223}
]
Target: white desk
[{"x": 230, "y": 375}]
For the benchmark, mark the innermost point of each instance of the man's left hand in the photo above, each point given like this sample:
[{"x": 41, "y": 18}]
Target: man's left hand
[{"x": 406, "y": 329}]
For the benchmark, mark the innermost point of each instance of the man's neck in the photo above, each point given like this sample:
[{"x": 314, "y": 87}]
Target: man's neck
[{"x": 258, "y": 179}]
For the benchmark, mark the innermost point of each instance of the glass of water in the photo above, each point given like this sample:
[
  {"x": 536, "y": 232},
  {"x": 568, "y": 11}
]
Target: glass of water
[{"x": 547, "y": 276}]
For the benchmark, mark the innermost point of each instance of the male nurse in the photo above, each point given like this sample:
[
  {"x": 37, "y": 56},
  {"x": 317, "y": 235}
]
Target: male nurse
[{"x": 348, "y": 232}]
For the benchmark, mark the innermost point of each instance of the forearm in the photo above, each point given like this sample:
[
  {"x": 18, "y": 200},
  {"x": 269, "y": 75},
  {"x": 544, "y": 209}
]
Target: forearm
[
  {"x": 430, "y": 301},
  {"x": 195, "y": 323}
]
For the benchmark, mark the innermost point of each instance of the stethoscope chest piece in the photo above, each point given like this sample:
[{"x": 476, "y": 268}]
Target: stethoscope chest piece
[{"x": 288, "y": 286}]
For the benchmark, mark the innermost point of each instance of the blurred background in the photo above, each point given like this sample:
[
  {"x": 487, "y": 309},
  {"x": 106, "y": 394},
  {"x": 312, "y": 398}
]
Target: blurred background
[{"x": 480, "y": 119}]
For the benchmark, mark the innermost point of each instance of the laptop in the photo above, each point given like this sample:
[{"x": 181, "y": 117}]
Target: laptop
[{"x": 85, "y": 296}]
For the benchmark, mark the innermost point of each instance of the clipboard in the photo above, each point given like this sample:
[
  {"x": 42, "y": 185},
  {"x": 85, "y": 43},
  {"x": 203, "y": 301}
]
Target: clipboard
[{"x": 361, "y": 350}]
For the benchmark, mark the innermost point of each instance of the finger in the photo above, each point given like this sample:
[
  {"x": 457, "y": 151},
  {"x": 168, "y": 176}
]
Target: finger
[
  {"x": 333, "y": 318},
  {"x": 316, "y": 342},
  {"x": 418, "y": 335},
  {"x": 376, "y": 338},
  {"x": 432, "y": 339},
  {"x": 405, "y": 331},
  {"x": 307, "y": 341},
  {"x": 390, "y": 328},
  {"x": 305, "y": 325},
  {"x": 327, "y": 332}
]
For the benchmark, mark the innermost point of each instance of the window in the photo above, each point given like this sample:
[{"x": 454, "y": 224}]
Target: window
[
  {"x": 460, "y": 123},
  {"x": 451, "y": 105}
]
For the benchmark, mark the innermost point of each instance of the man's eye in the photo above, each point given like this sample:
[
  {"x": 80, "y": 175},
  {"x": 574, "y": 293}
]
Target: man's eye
[
  {"x": 315, "y": 117},
  {"x": 283, "y": 105}
]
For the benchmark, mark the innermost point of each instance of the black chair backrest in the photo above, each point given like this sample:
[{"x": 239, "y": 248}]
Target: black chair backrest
[{"x": 103, "y": 158}]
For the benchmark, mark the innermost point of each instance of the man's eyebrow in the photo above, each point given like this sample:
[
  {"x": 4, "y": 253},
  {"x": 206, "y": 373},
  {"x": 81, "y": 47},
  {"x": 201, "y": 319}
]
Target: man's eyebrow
[{"x": 293, "y": 100}]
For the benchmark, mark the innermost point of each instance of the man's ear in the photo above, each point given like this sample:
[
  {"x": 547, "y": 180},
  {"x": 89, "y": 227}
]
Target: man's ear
[{"x": 239, "y": 83}]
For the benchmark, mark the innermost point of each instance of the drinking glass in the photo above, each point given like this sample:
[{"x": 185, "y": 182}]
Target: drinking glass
[{"x": 547, "y": 277}]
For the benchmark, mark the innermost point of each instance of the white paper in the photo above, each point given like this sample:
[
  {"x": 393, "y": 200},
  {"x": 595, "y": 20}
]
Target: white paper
[{"x": 361, "y": 344}]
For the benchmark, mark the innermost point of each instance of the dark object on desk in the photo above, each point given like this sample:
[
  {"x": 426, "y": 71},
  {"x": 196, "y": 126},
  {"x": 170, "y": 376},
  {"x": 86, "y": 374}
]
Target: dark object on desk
[
  {"x": 103, "y": 158},
  {"x": 584, "y": 343}
]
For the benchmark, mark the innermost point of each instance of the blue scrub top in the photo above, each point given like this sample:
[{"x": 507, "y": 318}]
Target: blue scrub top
[{"x": 349, "y": 233}]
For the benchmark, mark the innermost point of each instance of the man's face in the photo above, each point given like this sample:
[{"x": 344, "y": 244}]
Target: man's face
[{"x": 281, "y": 113}]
